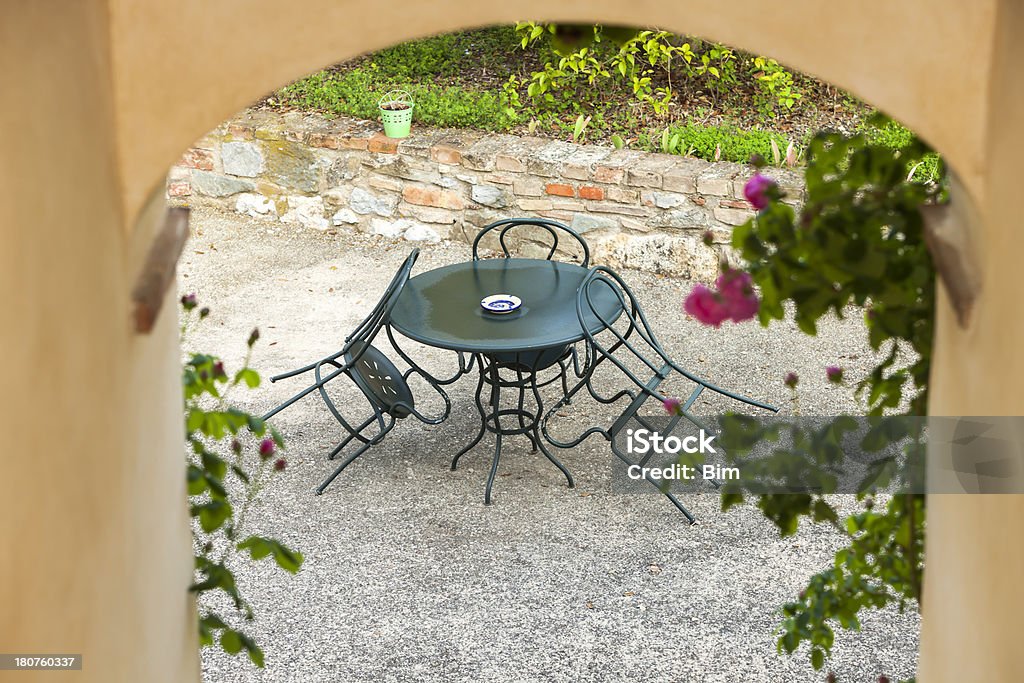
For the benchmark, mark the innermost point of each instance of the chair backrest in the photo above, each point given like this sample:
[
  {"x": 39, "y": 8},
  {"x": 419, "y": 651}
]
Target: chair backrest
[
  {"x": 630, "y": 344},
  {"x": 367, "y": 330},
  {"x": 541, "y": 231}
]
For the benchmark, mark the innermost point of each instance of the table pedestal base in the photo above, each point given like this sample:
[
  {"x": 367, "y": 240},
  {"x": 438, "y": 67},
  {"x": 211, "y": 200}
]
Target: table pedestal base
[{"x": 508, "y": 421}]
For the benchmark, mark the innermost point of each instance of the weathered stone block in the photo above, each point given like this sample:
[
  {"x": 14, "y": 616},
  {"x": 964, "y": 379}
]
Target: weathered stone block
[
  {"x": 716, "y": 180},
  {"x": 255, "y": 205},
  {"x": 634, "y": 224},
  {"x": 585, "y": 222},
  {"x": 446, "y": 154},
  {"x": 418, "y": 232},
  {"x": 293, "y": 165},
  {"x": 591, "y": 192},
  {"x": 386, "y": 184},
  {"x": 535, "y": 204},
  {"x": 612, "y": 170},
  {"x": 325, "y": 140},
  {"x": 197, "y": 158},
  {"x": 733, "y": 216},
  {"x": 179, "y": 188},
  {"x": 580, "y": 164},
  {"x": 662, "y": 200},
  {"x": 649, "y": 171},
  {"x": 240, "y": 131},
  {"x": 241, "y": 159},
  {"x": 687, "y": 218},
  {"x": 427, "y": 214},
  {"x": 623, "y": 195},
  {"x": 682, "y": 176},
  {"x": 562, "y": 204},
  {"x": 429, "y": 196},
  {"x": 216, "y": 185},
  {"x": 345, "y": 217},
  {"x": 489, "y": 195},
  {"x": 623, "y": 209},
  {"x": 480, "y": 155},
  {"x": 307, "y": 211},
  {"x": 547, "y": 161},
  {"x": 507, "y": 162},
  {"x": 365, "y": 202},
  {"x": 382, "y": 144},
  {"x": 528, "y": 187},
  {"x": 663, "y": 254}
]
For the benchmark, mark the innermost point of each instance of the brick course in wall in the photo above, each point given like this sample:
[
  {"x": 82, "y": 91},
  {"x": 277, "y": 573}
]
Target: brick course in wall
[{"x": 636, "y": 209}]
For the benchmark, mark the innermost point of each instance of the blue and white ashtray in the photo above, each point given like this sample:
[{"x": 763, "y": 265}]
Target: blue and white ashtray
[{"x": 500, "y": 303}]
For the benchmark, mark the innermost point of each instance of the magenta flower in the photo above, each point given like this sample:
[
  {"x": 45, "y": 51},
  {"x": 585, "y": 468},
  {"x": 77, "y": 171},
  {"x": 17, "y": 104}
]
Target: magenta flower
[
  {"x": 673, "y": 406},
  {"x": 834, "y": 374},
  {"x": 280, "y": 464},
  {"x": 188, "y": 302},
  {"x": 791, "y": 380},
  {"x": 218, "y": 370},
  {"x": 706, "y": 306},
  {"x": 266, "y": 448},
  {"x": 736, "y": 288},
  {"x": 759, "y": 190},
  {"x": 708, "y": 238}
]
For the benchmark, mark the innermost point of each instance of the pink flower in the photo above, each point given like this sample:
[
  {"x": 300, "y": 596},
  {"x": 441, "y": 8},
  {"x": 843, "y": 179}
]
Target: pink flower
[
  {"x": 280, "y": 464},
  {"x": 706, "y": 306},
  {"x": 791, "y": 380},
  {"x": 673, "y": 406},
  {"x": 759, "y": 190},
  {"x": 834, "y": 374},
  {"x": 266, "y": 448},
  {"x": 736, "y": 288}
]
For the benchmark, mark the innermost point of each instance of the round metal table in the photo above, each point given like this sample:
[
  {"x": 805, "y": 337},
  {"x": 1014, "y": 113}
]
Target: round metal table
[{"x": 441, "y": 308}]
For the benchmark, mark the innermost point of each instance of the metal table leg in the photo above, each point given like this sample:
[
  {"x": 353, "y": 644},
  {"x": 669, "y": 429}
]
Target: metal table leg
[{"x": 490, "y": 420}]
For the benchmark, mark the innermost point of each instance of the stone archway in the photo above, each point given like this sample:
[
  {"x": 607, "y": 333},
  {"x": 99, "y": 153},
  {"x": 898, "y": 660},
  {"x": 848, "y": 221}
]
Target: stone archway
[{"x": 106, "y": 94}]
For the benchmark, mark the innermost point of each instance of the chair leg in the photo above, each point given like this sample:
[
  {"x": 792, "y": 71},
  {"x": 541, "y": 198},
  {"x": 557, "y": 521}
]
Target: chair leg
[
  {"x": 354, "y": 435},
  {"x": 348, "y": 461},
  {"x": 555, "y": 461}
]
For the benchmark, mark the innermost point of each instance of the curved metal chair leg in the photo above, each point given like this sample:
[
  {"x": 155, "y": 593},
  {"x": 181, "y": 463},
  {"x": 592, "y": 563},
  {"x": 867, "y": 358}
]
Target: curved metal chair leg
[
  {"x": 556, "y": 462},
  {"x": 350, "y": 459}
]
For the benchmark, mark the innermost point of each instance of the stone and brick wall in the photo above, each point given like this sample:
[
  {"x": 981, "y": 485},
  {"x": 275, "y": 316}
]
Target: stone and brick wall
[{"x": 635, "y": 209}]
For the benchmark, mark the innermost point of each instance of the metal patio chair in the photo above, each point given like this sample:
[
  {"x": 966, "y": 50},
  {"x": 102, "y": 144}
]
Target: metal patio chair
[
  {"x": 629, "y": 347},
  {"x": 543, "y": 234},
  {"x": 384, "y": 386}
]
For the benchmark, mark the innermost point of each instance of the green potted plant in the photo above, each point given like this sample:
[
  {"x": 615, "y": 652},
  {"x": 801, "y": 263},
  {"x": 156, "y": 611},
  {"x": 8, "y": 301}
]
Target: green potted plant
[{"x": 396, "y": 113}]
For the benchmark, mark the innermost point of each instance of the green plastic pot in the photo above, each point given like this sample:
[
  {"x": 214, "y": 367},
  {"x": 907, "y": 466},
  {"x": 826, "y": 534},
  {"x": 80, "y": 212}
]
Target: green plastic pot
[{"x": 396, "y": 113}]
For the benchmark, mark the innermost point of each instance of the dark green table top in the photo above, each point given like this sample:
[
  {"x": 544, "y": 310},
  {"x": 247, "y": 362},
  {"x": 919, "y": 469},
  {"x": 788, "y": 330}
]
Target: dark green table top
[{"x": 441, "y": 307}]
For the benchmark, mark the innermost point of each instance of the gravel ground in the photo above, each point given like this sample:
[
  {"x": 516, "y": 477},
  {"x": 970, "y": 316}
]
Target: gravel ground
[{"x": 409, "y": 577}]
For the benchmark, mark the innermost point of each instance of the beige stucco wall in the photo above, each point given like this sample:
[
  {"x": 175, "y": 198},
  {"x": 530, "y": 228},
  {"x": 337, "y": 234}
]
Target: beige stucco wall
[{"x": 94, "y": 524}]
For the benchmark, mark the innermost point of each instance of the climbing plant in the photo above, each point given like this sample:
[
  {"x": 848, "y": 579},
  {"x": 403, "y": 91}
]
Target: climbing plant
[
  {"x": 858, "y": 240},
  {"x": 231, "y": 456}
]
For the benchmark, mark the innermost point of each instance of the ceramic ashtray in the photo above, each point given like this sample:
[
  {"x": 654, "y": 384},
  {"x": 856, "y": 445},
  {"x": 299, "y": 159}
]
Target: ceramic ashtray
[{"x": 500, "y": 303}]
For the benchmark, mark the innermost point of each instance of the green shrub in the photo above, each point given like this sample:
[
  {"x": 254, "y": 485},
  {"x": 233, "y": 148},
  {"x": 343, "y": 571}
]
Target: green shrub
[
  {"x": 894, "y": 136},
  {"x": 700, "y": 141},
  {"x": 355, "y": 93},
  {"x": 427, "y": 58}
]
